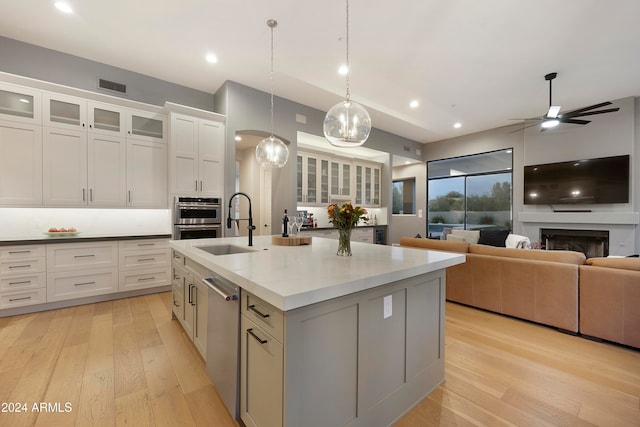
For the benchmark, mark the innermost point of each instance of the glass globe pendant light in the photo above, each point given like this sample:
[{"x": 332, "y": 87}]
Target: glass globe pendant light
[
  {"x": 347, "y": 124},
  {"x": 271, "y": 152}
]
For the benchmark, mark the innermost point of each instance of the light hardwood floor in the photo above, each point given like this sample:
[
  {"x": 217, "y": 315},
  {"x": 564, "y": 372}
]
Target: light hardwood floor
[{"x": 126, "y": 362}]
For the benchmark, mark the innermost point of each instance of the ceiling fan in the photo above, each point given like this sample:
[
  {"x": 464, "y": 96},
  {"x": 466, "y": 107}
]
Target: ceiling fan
[{"x": 554, "y": 118}]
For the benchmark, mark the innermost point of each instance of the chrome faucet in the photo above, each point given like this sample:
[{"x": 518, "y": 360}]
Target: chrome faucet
[{"x": 251, "y": 227}]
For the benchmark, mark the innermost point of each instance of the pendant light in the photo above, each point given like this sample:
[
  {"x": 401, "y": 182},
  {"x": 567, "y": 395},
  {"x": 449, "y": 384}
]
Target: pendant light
[
  {"x": 347, "y": 124},
  {"x": 271, "y": 152}
]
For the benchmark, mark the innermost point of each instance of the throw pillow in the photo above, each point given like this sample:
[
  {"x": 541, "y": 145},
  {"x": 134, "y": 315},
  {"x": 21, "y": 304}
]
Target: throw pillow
[
  {"x": 469, "y": 236},
  {"x": 493, "y": 237},
  {"x": 454, "y": 238}
]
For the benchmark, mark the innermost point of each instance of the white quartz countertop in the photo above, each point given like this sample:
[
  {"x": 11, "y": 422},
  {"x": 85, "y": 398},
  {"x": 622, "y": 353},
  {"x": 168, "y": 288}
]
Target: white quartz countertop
[{"x": 290, "y": 277}]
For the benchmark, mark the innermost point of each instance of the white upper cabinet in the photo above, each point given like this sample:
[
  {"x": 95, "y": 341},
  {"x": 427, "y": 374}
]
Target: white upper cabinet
[
  {"x": 367, "y": 184},
  {"x": 20, "y": 104},
  {"x": 64, "y": 112},
  {"x": 331, "y": 179},
  {"x": 107, "y": 171},
  {"x": 146, "y": 126},
  {"x": 106, "y": 119},
  {"x": 341, "y": 179},
  {"x": 20, "y": 164},
  {"x": 146, "y": 174},
  {"x": 312, "y": 179},
  {"x": 64, "y": 167},
  {"x": 197, "y": 156}
]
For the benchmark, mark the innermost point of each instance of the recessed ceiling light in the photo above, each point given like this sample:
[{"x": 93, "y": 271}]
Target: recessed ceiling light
[
  {"x": 414, "y": 104},
  {"x": 63, "y": 7},
  {"x": 238, "y": 138},
  {"x": 343, "y": 70},
  {"x": 407, "y": 162},
  {"x": 457, "y": 125},
  {"x": 211, "y": 58}
]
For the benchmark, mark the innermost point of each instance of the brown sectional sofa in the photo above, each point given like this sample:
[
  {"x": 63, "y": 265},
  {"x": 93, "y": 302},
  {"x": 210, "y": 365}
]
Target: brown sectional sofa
[
  {"x": 610, "y": 299},
  {"x": 596, "y": 297},
  {"x": 541, "y": 286}
]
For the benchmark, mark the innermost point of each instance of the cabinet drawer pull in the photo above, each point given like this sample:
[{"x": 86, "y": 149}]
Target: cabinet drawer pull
[
  {"x": 146, "y": 259},
  {"x": 140, "y": 279},
  {"x": 253, "y": 308},
  {"x": 20, "y": 266},
  {"x": 19, "y": 299},
  {"x": 23, "y": 282},
  {"x": 83, "y": 256},
  {"x": 260, "y": 340},
  {"x": 20, "y": 252},
  {"x": 84, "y": 283},
  {"x": 146, "y": 244}
]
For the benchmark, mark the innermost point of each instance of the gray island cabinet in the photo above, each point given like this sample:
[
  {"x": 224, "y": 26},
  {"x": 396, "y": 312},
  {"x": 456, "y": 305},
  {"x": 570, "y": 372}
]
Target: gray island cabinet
[{"x": 332, "y": 341}]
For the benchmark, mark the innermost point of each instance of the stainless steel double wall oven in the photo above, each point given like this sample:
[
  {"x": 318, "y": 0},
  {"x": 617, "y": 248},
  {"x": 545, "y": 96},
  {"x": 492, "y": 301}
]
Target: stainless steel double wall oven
[{"x": 197, "y": 217}]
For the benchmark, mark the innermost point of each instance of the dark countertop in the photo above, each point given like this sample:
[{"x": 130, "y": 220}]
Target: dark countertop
[{"x": 76, "y": 239}]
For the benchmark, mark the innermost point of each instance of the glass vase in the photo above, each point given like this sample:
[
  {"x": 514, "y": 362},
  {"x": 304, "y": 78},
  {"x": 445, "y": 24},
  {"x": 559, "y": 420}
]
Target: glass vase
[{"x": 344, "y": 242}]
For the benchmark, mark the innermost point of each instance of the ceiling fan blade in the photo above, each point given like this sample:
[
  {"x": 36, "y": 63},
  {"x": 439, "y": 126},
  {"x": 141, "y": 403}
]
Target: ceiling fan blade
[
  {"x": 524, "y": 127},
  {"x": 592, "y": 113},
  {"x": 575, "y": 121},
  {"x": 581, "y": 110}
]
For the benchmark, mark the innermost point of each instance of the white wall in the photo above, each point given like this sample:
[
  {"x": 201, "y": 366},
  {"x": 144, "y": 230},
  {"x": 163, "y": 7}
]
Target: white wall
[
  {"x": 410, "y": 225},
  {"x": 607, "y": 135}
]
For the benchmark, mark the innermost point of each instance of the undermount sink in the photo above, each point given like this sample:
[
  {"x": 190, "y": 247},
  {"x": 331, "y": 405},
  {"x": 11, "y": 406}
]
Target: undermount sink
[{"x": 225, "y": 249}]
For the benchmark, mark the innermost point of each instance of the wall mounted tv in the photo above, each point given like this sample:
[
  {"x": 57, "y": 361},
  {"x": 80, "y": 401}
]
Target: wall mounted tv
[{"x": 588, "y": 181}]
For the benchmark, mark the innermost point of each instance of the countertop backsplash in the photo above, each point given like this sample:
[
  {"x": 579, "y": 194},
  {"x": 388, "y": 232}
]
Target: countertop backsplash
[
  {"x": 320, "y": 213},
  {"x": 33, "y": 222}
]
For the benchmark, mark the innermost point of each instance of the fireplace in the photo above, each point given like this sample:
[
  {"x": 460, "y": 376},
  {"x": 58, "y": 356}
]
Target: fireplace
[{"x": 593, "y": 243}]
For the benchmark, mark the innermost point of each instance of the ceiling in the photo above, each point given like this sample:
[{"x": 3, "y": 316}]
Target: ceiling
[{"x": 479, "y": 63}]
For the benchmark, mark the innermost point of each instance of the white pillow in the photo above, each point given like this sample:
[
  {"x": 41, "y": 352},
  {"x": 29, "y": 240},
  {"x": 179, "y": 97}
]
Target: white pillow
[
  {"x": 469, "y": 236},
  {"x": 517, "y": 241},
  {"x": 454, "y": 238}
]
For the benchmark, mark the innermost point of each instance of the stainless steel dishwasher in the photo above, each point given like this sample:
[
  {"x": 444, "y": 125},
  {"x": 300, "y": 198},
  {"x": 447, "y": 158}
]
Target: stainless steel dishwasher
[{"x": 223, "y": 340}]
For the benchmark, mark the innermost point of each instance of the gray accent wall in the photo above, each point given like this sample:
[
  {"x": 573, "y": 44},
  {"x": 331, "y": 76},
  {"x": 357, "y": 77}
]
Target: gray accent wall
[{"x": 56, "y": 67}]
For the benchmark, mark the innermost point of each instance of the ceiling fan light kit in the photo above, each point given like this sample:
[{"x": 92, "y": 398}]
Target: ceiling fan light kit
[
  {"x": 553, "y": 117},
  {"x": 347, "y": 124}
]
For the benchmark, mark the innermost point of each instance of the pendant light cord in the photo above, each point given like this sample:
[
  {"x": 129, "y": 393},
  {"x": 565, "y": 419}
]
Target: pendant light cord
[
  {"x": 272, "y": 23},
  {"x": 348, "y": 69}
]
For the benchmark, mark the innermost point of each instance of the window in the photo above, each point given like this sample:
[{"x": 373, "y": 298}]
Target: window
[
  {"x": 404, "y": 196},
  {"x": 470, "y": 192}
]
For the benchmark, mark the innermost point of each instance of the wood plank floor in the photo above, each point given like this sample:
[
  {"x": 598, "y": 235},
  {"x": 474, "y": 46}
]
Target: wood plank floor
[{"x": 126, "y": 362}]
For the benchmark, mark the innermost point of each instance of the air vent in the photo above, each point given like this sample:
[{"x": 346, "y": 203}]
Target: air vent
[{"x": 113, "y": 86}]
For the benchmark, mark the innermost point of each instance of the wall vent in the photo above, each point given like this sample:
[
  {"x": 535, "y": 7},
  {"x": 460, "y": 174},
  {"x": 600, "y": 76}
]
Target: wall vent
[{"x": 112, "y": 86}]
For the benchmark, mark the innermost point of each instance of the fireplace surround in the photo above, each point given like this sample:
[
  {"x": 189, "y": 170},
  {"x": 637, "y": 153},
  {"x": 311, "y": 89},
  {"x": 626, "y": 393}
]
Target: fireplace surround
[{"x": 593, "y": 243}]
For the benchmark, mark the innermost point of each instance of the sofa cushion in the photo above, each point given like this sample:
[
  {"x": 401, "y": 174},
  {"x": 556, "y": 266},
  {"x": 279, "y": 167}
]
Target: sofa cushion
[
  {"x": 455, "y": 238},
  {"x": 569, "y": 257},
  {"x": 493, "y": 237},
  {"x": 437, "y": 245},
  {"x": 469, "y": 236},
  {"x": 623, "y": 263}
]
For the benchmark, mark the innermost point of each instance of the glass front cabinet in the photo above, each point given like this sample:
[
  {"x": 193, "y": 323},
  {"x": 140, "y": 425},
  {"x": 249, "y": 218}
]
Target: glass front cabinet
[{"x": 19, "y": 104}]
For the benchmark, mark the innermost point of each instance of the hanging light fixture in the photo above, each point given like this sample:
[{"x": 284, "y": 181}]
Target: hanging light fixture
[
  {"x": 347, "y": 124},
  {"x": 271, "y": 152}
]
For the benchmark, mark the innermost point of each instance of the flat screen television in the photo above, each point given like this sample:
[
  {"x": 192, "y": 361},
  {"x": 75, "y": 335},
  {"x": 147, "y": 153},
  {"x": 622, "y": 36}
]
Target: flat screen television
[{"x": 587, "y": 181}]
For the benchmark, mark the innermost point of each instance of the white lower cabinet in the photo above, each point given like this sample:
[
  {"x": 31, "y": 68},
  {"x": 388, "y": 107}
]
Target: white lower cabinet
[
  {"x": 81, "y": 283},
  {"x": 76, "y": 270},
  {"x": 261, "y": 363},
  {"x": 358, "y": 234},
  {"x": 22, "y": 276},
  {"x": 144, "y": 264},
  {"x": 190, "y": 300}
]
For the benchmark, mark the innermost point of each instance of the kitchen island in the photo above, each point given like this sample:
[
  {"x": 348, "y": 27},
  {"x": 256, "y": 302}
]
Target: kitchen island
[{"x": 328, "y": 340}]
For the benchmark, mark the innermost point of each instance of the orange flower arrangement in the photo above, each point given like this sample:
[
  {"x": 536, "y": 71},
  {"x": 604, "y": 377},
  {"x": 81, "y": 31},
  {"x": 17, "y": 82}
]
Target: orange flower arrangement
[{"x": 345, "y": 216}]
